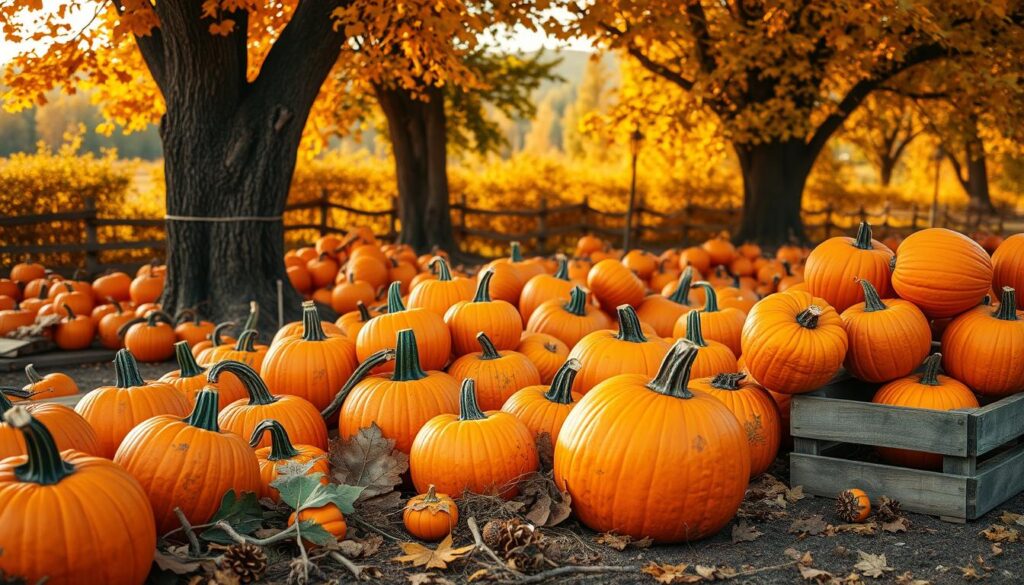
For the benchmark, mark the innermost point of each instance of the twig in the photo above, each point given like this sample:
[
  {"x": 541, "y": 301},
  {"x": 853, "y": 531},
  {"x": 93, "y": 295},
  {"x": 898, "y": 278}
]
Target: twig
[
  {"x": 240, "y": 538},
  {"x": 193, "y": 540},
  {"x": 573, "y": 570},
  {"x": 356, "y": 570},
  {"x": 302, "y": 547},
  {"x": 479, "y": 540},
  {"x": 367, "y": 526},
  {"x": 181, "y": 528}
]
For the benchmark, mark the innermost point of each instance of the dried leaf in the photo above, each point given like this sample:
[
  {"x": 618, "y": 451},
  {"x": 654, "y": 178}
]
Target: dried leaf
[
  {"x": 745, "y": 532},
  {"x": 368, "y": 460},
  {"x": 421, "y": 556},
  {"x": 715, "y": 573},
  {"x": 543, "y": 502},
  {"x": 813, "y": 525},
  {"x": 865, "y": 529},
  {"x": 429, "y": 579},
  {"x": 997, "y": 549},
  {"x": 900, "y": 524},
  {"x": 612, "y": 540},
  {"x": 872, "y": 565},
  {"x": 812, "y": 574},
  {"x": 969, "y": 573},
  {"x": 1000, "y": 533},
  {"x": 361, "y": 548},
  {"x": 795, "y": 494},
  {"x": 907, "y": 578},
  {"x": 1011, "y": 518},
  {"x": 665, "y": 573},
  {"x": 179, "y": 565}
]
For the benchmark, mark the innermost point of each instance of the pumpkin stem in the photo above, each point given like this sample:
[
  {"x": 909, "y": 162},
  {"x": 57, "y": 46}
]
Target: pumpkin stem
[
  {"x": 440, "y": 265},
  {"x": 517, "y": 252},
  {"x": 259, "y": 394},
  {"x": 431, "y": 495},
  {"x": 871, "y": 301},
  {"x": 187, "y": 365},
  {"x": 809, "y": 317},
  {"x": 312, "y": 328},
  {"x": 123, "y": 329},
  {"x": 254, "y": 316},
  {"x": 863, "y": 239},
  {"x": 361, "y": 371},
  {"x": 560, "y": 390},
  {"x": 126, "y": 370},
  {"x": 215, "y": 338},
  {"x": 562, "y": 273},
  {"x": 204, "y": 415},
  {"x": 281, "y": 447},
  {"x": 186, "y": 314},
  {"x": 407, "y": 358},
  {"x": 629, "y": 325},
  {"x": 681, "y": 295},
  {"x": 694, "y": 330},
  {"x": 5, "y": 403},
  {"x": 577, "y": 304},
  {"x": 930, "y": 371},
  {"x": 710, "y": 296},
  {"x": 489, "y": 351},
  {"x": 247, "y": 340},
  {"x": 730, "y": 381},
  {"x": 364, "y": 313},
  {"x": 468, "y": 407},
  {"x": 1007, "y": 310},
  {"x": 483, "y": 288},
  {"x": 32, "y": 375},
  {"x": 117, "y": 305},
  {"x": 44, "y": 465},
  {"x": 71, "y": 314},
  {"x": 395, "y": 304},
  {"x": 787, "y": 268},
  {"x": 153, "y": 316},
  {"x": 673, "y": 377}
]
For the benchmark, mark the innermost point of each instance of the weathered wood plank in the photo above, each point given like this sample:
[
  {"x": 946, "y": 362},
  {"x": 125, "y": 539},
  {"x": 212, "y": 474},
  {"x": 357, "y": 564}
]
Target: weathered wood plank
[
  {"x": 57, "y": 359},
  {"x": 999, "y": 479},
  {"x": 999, "y": 422},
  {"x": 926, "y": 492}
]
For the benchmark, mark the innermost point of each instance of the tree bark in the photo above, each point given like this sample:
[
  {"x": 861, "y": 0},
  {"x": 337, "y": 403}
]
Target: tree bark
[
  {"x": 977, "y": 176},
  {"x": 885, "y": 171},
  {"x": 774, "y": 175}
]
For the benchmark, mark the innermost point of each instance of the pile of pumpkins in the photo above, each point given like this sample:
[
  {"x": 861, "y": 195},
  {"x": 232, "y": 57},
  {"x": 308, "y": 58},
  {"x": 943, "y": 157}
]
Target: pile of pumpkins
[{"x": 663, "y": 381}]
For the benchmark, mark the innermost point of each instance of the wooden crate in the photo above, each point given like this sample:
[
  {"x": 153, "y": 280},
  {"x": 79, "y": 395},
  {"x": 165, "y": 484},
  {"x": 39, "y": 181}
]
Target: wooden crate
[{"x": 982, "y": 450}]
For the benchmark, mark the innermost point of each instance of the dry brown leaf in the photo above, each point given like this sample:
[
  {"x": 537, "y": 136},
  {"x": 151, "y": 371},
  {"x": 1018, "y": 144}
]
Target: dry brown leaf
[
  {"x": 969, "y": 573},
  {"x": 665, "y": 573},
  {"x": 429, "y": 579},
  {"x": 745, "y": 532},
  {"x": 865, "y": 529},
  {"x": 421, "y": 556},
  {"x": 361, "y": 548},
  {"x": 715, "y": 573},
  {"x": 1000, "y": 533},
  {"x": 872, "y": 565},
  {"x": 1008, "y": 517},
  {"x": 900, "y": 524},
  {"x": 907, "y": 578},
  {"x": 480, "y": 575},
  {"x": 813, "y": 525},
  {"x": 621, "y": 541},
  {"x": 368, "y": 460},
  {"x": 997, "y": 549},
  {"x": 543, "y": 502},
  {"x": 179, "y": 564},
  {"x": 812, "y": 574},
  {"x": 804, "y": 558},
  {"x": 644, "y": 542}
]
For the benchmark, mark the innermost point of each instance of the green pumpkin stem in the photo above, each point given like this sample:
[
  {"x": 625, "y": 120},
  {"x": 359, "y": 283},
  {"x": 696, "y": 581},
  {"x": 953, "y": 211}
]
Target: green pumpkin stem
[
  {"x": 361, "y": 371},
  {"x": 488, "y": 351},
  {"x": 218, "y": 330},
  {"x": 863, "y": 239},
  {"x": 407, "y": 358},
  {"x": 71, "y": 314},
  {"x": 872, "y": 302},
  {"x": 395, "y": 304},
  {"x": 673, "y": 377},
  {"x": 126, "y": 370},
  {"x": 629, "y": 325},
  {"x": 44, "y": 465},
  {"x": 259, "y": 394},
  {"x": 808, "y": 318},
  {"x": 431, "y": 496},
  {"x": 930, "y": 370},
  {"x": 364, "y": 313},
  {"x": 247, "y": 340},
  {"x": 469, "y": 409},
  {"x": 517, "y": 252},
  {"x": 312, "y": 327},
  {"x": 5, "y": 403},
  {"x": 681, "y": 295},
  {"x": 560, "y": 390},
  {"x": 730, "y": 381},
  {"x": 281, "y": 447},
  {"x": 32, "y": 375},
  {"x": 710, "y": 296},
  {"x": 187, "y": 365},
  {"x": 562, "y": 273},
  {"x": 254, "y": 316},
  {"x": 1007, "y": 310},
  {"x": 694, "y": 330},
  {"x": 483, "y": 288},
  {"x": 438, "y": 263},
  {"x": 204, "y": 415},
  {"x": 577, "y": 304}
]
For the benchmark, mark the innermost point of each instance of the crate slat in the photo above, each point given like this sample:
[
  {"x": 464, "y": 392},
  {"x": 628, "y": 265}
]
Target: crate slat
[
  {"x": 999, "y": 479},
  {"x": 999, "y": 422}
]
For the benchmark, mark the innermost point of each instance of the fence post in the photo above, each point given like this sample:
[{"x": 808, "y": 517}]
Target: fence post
[
  {"x": 394, "y": 219},
  {"x": 542, "y": 227},
  {"x": 91, "y": 241},
  {"x": 324, "y": 212},
  {"x": 913, "y": 219},
  {"x": 828, "y": 221}
]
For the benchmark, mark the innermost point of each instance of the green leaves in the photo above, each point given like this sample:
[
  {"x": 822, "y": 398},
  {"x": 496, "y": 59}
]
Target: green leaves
[
  {"x": 307, "y": 491},
  {"x": 243, "y": 513}
]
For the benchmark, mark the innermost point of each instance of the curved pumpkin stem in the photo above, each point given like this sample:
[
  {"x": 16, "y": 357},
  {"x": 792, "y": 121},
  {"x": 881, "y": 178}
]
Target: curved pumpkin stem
[
  {"x": 577, "y": 304},
  {"x": 560, "y": 390},
  {"x": 117, "y": 305},
  {"x": 673, "y": 377},
  {"x": 629, "y": 325},
  {"x": 254, "y": 316},
  {"x": 407, "y": 358},
  {"x": 71, "y": 314},
  {"x": 516, "y": 254},
  {"x": 247, "y": 340},
  {"x": 187, "y": 314},
  {"x": 44, "y": 465},
  {"x": 710, "y": 296},
  {"x": 281, "y": 447},
  {"x": 204, "y": 415},
  {"x": 1007, "y": 310},
  {"x": 469, "y": 409},
  {"x": 361, "y": 371},
  {"x": 218, "y": 330},
  {"x": 562, "y": 273},
  {"x": 483, "y": 288},
  {"x": 863, "y": 239},
  {"x": 682, "y": 293},
  {"x": 188, "y": 367},
  {"x": 872, "y": 302},
  {"x": 32, "y": 375},
  {"x": 730, "y": 381},
  {"x": 258, "y": 392},
  {"x": 930, "y": 372},
  {"x": 808, "y": 318},
  {"x": 439, "y": 264},
  {"x": 123, "y": 329},
  {"x": 364, "y": 313},
  {"x": 312, "y": 328},
  {"x": 395, "y": 304},
  {"x": 694, "y": 330},
  {"x": 126, "y": 370},
  {"x": 489, "y": 352}
]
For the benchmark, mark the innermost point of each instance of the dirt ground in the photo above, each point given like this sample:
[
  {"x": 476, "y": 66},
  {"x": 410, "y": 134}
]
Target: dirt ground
[{"x": 930, "y": 550}]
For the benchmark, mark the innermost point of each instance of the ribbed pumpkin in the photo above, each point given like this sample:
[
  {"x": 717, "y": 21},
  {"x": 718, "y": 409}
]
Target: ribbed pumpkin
[
  {"x": 347, "y": 293},
  {"x": 215, "y": 339},
  {"x": 244, "y": 350},
  {"x": 399, "y": 402},
  {"x": 613, "y": 284},
  {"x": 547, "y": 352},
  {"x": 328, "y": 516},
  {"x": 80, "y": 302},
  {"x": 603, "y": 354},
  {"x": 74, "y": 330},
  {"x": 985, "y": 349},
  {"x": 498, "y": 374},
  {"x": 24, "y": 272},
  {"x": 482, "y": 452},
  {"x": 1008, "y": 266},
  {"x": 941, "y": 271},
  {"x": 498, "y": 318},
  {"x": 190, "y": 327},
  {"x": 112, "y": 286},
  {"x": 352, "y": 323},
  {"x": 313, "y": 365},
  {"x": 188, "y": 463},
  {"x": 296, "y": 327},
  {"x": 297, "y": 415},
  {"x": 381, "y": 332},
  {"x": 150, "y": 338},
  {"x": 546, "y": 287},
  {"x": 714, "y": 357},
  {"x": 51, "y": 385},
  {"x": 98, "y": 522},
  {"x": 437, "y": 296},
  {"x": 569, "y": 321},
  {"x": 69, "y": 429},
  {"x": 887, "y": 339},
  {"x": 723, "y": 325},
  {"x": 430, "y": 516},
  {"x": 833, "y": 267},
  {"x": 926, "y": 390},
  {"x": 11, "y": 319},
  {"x": 793, "y": 342},
  {"x": 756, "y": 411},
  {"x": 190, "y": 378},
  {"x": 662, "y": 311},
  {"x": 113, "y": 411},
  {"x": 543, "y": 408},
  {"x": 282, "y": 451},
  {"x": 680, "y": 459}
]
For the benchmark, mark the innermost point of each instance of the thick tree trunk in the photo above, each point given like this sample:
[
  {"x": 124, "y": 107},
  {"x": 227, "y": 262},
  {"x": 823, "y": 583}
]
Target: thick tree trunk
[
  {"x": 977, "y": 176},
  {"x": 774, "y": 175},
  {"x": 885, "y": 171}
]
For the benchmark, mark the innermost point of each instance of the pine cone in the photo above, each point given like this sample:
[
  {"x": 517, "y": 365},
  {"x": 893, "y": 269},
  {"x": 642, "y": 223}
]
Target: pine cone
[
  {"x": 889, "y": 510},
  {"x": 248, "y": 561},
  {"x": 505, "y": 535}
]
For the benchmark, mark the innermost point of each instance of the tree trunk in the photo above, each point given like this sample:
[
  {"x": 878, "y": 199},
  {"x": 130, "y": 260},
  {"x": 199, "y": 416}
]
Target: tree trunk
[
  {"x": 977, "y": 176},
  {"x": 774, "y": 175},
  {"x": 885, "y": 171},
  {"x": 418, "y": 132}
]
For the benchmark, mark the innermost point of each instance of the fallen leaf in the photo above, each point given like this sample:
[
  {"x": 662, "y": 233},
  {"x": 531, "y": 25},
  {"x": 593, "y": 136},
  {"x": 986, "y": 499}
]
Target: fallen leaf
[
  {"x": 421, "y": 556},
  {"x": 872, "y": 565},
  {"x": 665, "y": 573},
  {"x": 429, "y": 579},
  {"x": 812, "y": 574},
  {"x": 361, "y": 548},
  {"x": 795, "y": 494},
  {"x": 900, "y": 524},
  {"x": 745, "y": 532},
  {"x": 804, "y": 558},
  {"x": 1000, "y": 533},
  {"x": 865, "y": 529},
  {"x": 368, "y": 459},
  {"x": 969, "y": 573},
  {"x": 813, "y": 525},
  {"x": 543, "y": 502},
  {"x": 178, "y": 565},
  {"x": 644, "y": 542},
  {"x": 612, "y": 540},
  {"x": 545, "y": 451},
  {"x": 907, "y": 578},
  {"x": 997, "y": 549},
  {"x": 1011, "y": 518},
  {"x": 715, "y": 573},
  {"x": 480, "y": 575}
]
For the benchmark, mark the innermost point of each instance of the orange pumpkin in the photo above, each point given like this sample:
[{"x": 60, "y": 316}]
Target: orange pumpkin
[
  {"x": 498, "y": 374},
  {"x": 835, "y": 265},
  {"x": 49, "y": 386},
  {"x": 280, "y": 452},
  {"x": 109, "y": 327},
  {"x": 661, "y": 311},
  {"x": 641, "y": 262},
  {"x": 150, "y": 338},
  {"x": 381, "y": 331},
  {"x": 352, "y": 323},
  {"x": 714, "y": 357},
  {"x": 500, "y": 319},
  {"x": 543, "y": 408},
  {"x": 11, "y": 319},
  {"x": 613, "y": 284},
  {"x": 439, "y": 295},
  {"x": 568, "y": 321},
  {"x": 245, "y": 350},
  {"x": 346, "y": 295},
  {"x": 190, "y": 327},
  {"x": 606, "y": 353},
  {"x": 1008, "y": 266},
  {"x": 982, "y": 348},
  {"x": 545, "y": 287},
  {"x": 756, "y": 411},
  {"x": 146, "y": 287},
  {"x": 190, "y": 378},
  {"x": 116, "y": 285},
  {"x": 24, "y": 272},
  {"x": 430, "y": 516},
  {"x": 547, "y": 352},
  {"x": 507, "y": 281},
  {"x": 941, "y": 271},
  {"x": 853, "y": 505},
  {"x": 74, "y": 331},
  {"x": 723, "y": 325},
  {"x": 888, "y": 339},
  {"x": 69, "y": 429},
  {"x": 720, "y": 250},
  {"x": 329, "y": 517}
]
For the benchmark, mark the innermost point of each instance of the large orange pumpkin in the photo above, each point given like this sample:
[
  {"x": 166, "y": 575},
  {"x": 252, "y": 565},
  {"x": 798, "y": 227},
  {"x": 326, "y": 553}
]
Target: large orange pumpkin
[
  {"x": 543, "y": 408},
  {"x": 498, "y": 318},
  {"x": 1008, "y": 266},
  {"x": 983, "y": 348},
  {"x": 569, "y": 321},
  {"x": 381, "y": 331},
  {"x": 545, "y": 287},
  {"x": 941, "y": 271},
  {"x": 69, "y": 429},
  {"x": 613, "y": 284},
  {"x": 150, "y": 338},
  {"x": 661, "y": 311},
  {"x": 51, "y": 385},
  {"x": 888, "y": 339},
  {"x": 606, "y": 353},
  {"x": 191, "y": 327},
  {"x": 754, "y": 409},
  {"x": 722, "y": 324},
  {"x": 498, "y": 374},
  {"x": 440, "y": 294},
  {"x": 835, "y": 265}
]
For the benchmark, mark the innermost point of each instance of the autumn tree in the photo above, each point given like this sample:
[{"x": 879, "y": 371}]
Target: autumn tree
[
  {"x": 882, "y": 129},
  {"x": 783, "y": 76},
  {"x": 593, "y": 96}
]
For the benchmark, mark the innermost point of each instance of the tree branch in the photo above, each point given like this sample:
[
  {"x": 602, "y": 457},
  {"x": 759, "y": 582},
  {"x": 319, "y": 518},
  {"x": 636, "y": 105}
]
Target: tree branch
[
  {"x": 702, "y": 37},
  {"x": 151, "y": 47},
  {"x": 654, "y": 67}
]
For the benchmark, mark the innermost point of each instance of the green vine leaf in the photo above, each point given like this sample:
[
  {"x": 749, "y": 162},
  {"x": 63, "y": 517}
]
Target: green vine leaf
[
  {"x": 243, "y": 513},
  {"x": 306, "y": 491}
]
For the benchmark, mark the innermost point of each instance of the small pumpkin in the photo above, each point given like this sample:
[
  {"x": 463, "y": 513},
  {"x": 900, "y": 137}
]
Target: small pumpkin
[
  {"x": 613, "y": 284},
  {"x": 941, "y": 271},
  {"x": 215, "y": 339},
  {"x": 328, "y": 516},
  {"x": 720, "y": 250},
  {"x": 244, "y": 350},
  {"x": 724, "y": 325},
  {"x": 430, "y": 516},
  {"x": 346, "y": 295},
  {"x": 888, "y": 339},
  {"x": 545, "y": 287},
  {"x": 381, "y": 331},
  {"x": 756, "y": 411},
  {"x": 833, "y": 267},
  {"x": 983, "y": 347},
  {"x": 498, "y": 374},
  {"x": 150, "y": 338},
  {"x": 190, "y": 378},
  {"x": 1008, "y": 266},
  {"x": 547, "y": 352},
  {"x": 440, "y": 294},
  {"x": 280, "y": 452},
  {"x": 49, "y": 386},
  {"x": 191, "y": 327},
  {"x": 27, "y": 271},
  {"x": 79, "y": 301},
  {"x": 146, "y": 287},
  {"x": 74, "y": 330},
  {"x": 11, "y": 319},
  {"x": 662, "y": 311},
  {"x": 110, "y": 325},
  {"x": 352, "y": 323},
  {"x": 714, "y": 357},
  {"x": 603, "y": 354},
  {"x": 569, "y": 321},
  {"x": 69, "y": 429},
  {"x": 498, "y": 318},
  {"x": 853, "y": 505},
  {"x": 116, "y": 285},
  {"x": 543, "y": 408}
]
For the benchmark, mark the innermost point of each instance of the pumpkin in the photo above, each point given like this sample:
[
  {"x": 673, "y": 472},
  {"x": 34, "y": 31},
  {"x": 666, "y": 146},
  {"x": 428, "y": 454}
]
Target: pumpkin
[
  {"x": 74, "y": 330},
  {"x": 696, "y": 257},
  {"x": 887, "y": 339},
  {"x": 498, "y": 318},
  {"x": 588, "y": 244},
  {"x": 568, "y": 321},
  {"x": 245, "y": 350},
  {"x": 506, "y": 282},
  {"x": 929, "y": 390},
  {"x": 109, "y": 539},
  {"x": 1008, "y": 266},
  {"x": 545, "y": 287},
  {"x": 679, "y": 458},
  {"x": 10, "y": 288},
  {"x": 346, "y": 295},
  {"x": 430, "y": 516},
  {"x": 547, "y": 352},
  {"x": 50, "y": 385},
  {"x": 190, "y": 327},
  {"x": 190, "y": 378},
  {"x": 641, "y": 262},
  {"x": 116, "y": 285},
  {"x": 69, "y": 429},
  {"x": 835, "y": 265},
  {"x": 146, "y": 308},
  {"x": 312, "y": 365},
  {"x": 853, "y": 505},
  {"x": 498, "y": 374},
  {"x": 11, "y": 319},
  {"x": 351, "y": 323},
  {"x": 603, "y": 354},
  {"x": 714, "y": 357},
  {"x": 241, "y": 417},
  {"x": 793, "y": 342},
  {"x": 982, "y": 348},
  {"x": 666, "y": 274},
  {"x": 366, "y": 267},
  {"x": 329, "y": 517},
  {"x": 543, "y": 408},
  {"x": 381, "y": 331},
  {"x": 754, "y": 408},
  {"x": 300, "y": 279},
  {"x": 723, "y": 325},
  {"x": 280, "y": 452},
  {"x": 7, "y": 303},
  {"x": 110, "y": 324},
  {"x": 188, "y": 463},
  {"x": 146, "y": 287},
  {"x": 482, "y": 452},
  {"x": 720, "y": 250},
  {"x": 216, "y": 339},
  {"x": 400, "y": 402},
  {"x": 24, "y": 272},
  {"x": 80, "y": 302},
  {"x": 32, "y": 303},
  {"x": 661, "y": 311},
  {"x": 613, "y": 284},
  {"x": 322, "y": 270},
  {"x": 941, "y": 271},
  {"x": 150, "y": 338},
  {"x": 113, "y": 411}
]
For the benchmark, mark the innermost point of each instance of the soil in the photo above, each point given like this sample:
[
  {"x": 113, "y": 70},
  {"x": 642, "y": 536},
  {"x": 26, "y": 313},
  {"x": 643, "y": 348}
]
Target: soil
[{"x": 931, "y": 549}]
